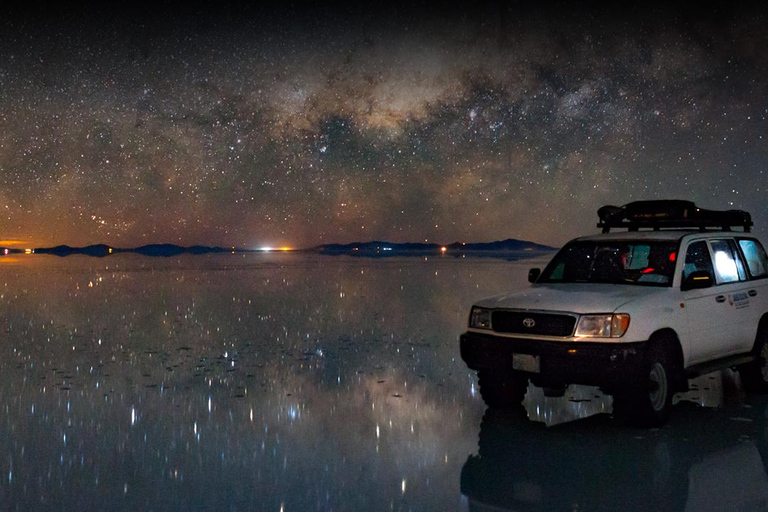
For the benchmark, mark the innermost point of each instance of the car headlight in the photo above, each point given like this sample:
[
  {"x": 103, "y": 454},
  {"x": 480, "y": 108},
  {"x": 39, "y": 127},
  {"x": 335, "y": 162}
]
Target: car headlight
[
  {"x": 603, "y": 326},
  {"x": 480, "y": 318}
]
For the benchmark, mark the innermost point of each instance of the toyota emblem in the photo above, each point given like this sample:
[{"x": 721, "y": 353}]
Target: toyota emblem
[{"x": 529, "y": 322}]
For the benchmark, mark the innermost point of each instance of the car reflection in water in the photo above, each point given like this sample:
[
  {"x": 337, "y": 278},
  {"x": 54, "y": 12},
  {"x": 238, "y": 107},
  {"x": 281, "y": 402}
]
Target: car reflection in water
[{"x": 706, "y": 458}]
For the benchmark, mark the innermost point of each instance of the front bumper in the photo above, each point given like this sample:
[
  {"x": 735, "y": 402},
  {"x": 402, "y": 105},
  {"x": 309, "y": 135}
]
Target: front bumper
[{"x": 561, "y": 362}]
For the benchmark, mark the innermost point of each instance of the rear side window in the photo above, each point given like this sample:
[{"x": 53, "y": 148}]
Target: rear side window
[
  {"x": 728, "y": 268},
  {"x": 755, "y": 256},
  {"x": 697, "y": 258}
]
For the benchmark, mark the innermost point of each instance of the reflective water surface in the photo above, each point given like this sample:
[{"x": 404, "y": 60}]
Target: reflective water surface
[{"x": 293, "y": 382}]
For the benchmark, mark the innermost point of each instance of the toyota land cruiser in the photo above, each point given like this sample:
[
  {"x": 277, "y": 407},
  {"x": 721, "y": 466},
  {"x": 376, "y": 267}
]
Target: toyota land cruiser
[{"x": 636, "y": 312}]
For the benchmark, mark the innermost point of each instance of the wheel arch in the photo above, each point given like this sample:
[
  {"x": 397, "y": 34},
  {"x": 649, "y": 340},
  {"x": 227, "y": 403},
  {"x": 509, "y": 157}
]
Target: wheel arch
[
  {"x": 762, "y": 331},
  {"x": 668, "y": 340},
  {"x": 763, "y": 324}
]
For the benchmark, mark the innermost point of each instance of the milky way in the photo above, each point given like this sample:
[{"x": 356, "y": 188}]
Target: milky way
[{"x": 306, "y": 127}]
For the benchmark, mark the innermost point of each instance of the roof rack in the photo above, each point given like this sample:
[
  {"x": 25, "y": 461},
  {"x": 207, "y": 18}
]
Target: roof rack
[{"x": 670, "y": 214}]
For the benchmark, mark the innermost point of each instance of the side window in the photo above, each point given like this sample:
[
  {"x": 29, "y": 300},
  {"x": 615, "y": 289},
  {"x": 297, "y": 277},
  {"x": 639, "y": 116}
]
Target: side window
[
  {"x": 756, "y": 258},
  {"x": 697, "y": 258},
  {"x": 728, "y": 267}
]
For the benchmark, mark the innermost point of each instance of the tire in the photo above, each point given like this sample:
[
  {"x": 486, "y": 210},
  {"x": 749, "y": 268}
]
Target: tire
[
  {"x": 502, "y": 391},
  {"x": 754, "y": 375},
  {"x": 647, "y": 402}
]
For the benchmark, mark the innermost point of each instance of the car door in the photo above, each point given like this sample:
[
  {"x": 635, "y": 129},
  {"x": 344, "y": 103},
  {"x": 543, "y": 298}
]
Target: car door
[
  {"x": 706, "y": 310},
  {"x": 732, "y": 283},
  {"x": 756, "y": 261}
]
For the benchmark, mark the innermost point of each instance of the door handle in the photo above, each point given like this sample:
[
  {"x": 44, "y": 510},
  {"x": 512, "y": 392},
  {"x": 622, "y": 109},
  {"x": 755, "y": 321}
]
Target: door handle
[
  {"x": 720, "y": 298},
  {"x": 752, "y": 293}
]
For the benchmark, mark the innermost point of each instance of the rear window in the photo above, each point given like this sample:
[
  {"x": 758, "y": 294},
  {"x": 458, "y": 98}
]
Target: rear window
[{"x": 755, "y": 256}]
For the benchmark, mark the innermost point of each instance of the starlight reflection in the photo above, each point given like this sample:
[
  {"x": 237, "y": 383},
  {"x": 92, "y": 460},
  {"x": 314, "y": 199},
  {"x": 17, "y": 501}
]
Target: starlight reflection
[{"x": 194, "y": 382}]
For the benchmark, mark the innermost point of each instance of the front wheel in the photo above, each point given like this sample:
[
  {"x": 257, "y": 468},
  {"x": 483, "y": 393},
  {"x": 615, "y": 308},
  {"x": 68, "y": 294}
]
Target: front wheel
[
  {"x": 648, "y": 401},
  {"x": 502, "y": 390}
]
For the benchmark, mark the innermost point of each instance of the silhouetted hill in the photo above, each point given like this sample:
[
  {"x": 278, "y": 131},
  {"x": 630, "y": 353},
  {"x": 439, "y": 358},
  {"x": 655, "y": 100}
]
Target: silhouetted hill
[
  {"x": 202, "y": 249},
  {"x": 96, "y": 251},
  {"x": 154, "y": 250},
  {"x": 166, "y": 250},
  {"x": 510, "y": 244},
  {"x": 163, "y": 250}
]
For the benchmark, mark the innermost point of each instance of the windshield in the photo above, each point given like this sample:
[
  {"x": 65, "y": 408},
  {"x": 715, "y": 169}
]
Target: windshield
[{"x": 641, "y": 263}]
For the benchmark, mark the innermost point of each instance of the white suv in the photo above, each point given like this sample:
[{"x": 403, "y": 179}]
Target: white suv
[{"x": 636, "y": 312}]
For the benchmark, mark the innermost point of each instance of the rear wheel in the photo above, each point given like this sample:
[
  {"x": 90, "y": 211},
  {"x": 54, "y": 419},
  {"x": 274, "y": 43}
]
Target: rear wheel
[
  {"x": 502, "y": 390},
  {"x": 754, "y": 375},
  {"x": 648, "y": 401}
]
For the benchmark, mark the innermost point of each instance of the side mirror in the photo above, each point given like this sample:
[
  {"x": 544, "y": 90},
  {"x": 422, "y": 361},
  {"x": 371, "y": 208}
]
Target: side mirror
[
  {"x": 697, "y": 280},
  {"x": 533, "y": 275}
]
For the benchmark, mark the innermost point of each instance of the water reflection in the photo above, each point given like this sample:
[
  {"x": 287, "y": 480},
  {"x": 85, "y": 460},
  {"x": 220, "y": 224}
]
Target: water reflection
[
  {"x": 718, "y": 389},
  {"x": 225, "y": 382},
  {"x": 273, "y": 382},
  {"x": 706, "y": 458}
]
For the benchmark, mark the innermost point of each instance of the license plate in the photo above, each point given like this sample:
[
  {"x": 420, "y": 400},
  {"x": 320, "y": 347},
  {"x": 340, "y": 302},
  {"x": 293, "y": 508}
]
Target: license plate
[{"x": 526, "y": 363}]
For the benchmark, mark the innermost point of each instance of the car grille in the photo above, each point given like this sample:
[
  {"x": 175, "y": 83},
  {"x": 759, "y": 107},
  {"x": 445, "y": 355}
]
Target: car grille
[{"x": 545, "y": 324}]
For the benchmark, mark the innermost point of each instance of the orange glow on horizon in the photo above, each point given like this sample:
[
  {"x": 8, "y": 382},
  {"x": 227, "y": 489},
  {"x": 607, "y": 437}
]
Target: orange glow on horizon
[{"x": 11, "y": 243}]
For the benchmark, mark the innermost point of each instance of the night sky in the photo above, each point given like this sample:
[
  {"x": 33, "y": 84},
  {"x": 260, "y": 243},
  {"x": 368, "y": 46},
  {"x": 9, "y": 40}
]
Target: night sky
[{"x": 294, "y": 126}]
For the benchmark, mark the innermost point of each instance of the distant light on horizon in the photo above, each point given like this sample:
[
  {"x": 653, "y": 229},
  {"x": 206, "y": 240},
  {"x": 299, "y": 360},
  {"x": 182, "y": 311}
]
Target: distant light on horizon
[{"x": 267, "y": 248}]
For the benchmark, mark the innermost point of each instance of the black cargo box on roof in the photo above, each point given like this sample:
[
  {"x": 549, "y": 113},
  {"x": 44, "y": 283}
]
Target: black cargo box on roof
[{"x": 670, "y": 214}]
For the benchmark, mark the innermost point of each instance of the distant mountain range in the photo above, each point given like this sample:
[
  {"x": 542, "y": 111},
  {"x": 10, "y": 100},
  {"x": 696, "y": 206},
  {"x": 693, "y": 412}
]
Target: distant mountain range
[
  {"x": 381, "y": 248},
  {"x": 101, "y": 250},
  {"x": 366, "y": 249}
]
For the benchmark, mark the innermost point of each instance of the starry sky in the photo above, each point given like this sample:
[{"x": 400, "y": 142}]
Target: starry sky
[{"x": 298, "y": 126}]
